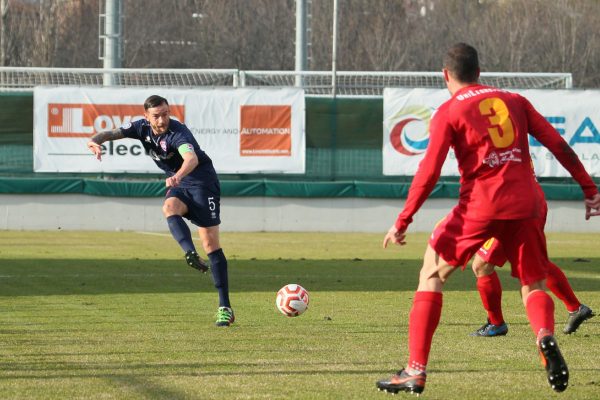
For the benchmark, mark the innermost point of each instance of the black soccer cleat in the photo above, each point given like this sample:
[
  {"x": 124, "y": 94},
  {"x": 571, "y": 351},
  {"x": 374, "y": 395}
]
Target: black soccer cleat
[
  {"x": 402, "y": 381},
  {"x": 193, "y": 260},
  {"x": 576, "y": 318},
  {"x": 553, "y": 361}
]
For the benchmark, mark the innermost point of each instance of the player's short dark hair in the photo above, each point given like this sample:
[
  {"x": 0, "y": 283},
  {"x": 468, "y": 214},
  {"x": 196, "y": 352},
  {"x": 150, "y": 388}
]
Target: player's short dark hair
[
  {"x": 463, "y": 62},
  {"x": 154, "y": 101}
]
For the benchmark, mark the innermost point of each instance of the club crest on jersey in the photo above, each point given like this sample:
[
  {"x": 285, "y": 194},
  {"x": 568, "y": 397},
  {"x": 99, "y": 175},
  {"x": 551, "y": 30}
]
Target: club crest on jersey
[{"x": 163, "y": 145}]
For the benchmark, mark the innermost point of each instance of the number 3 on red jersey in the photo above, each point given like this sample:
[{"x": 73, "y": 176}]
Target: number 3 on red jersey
[{"x": 501, "y": 128}]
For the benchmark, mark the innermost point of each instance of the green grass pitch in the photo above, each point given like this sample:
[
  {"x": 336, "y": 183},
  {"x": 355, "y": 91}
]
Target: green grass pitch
[{"x": 118, "y": 315}]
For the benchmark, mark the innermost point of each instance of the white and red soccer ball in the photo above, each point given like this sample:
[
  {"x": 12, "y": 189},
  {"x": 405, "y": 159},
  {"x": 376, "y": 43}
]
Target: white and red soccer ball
[{"x": 292, "y": 300}]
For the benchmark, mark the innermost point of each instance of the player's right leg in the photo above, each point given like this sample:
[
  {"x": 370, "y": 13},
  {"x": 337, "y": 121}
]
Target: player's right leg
[
  {"x": 173, "y": 209},
  {"x": 489, "y": 287},
  {"x": 577, "y": 317},
  {"x": 525, "y": 246},
  {"x": 559, "y": 285},
  {"x": 540, "y": 311}
]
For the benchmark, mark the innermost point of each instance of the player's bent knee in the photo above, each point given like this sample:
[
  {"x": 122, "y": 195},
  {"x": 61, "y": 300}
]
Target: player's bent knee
[
  {"x": 210, "y": 245},
  {"x": 482, "y": 268},
  {"x": 527, "y": 289},
  {"x": 173, "y": 206},
  {"x": 169, "y": 211}
]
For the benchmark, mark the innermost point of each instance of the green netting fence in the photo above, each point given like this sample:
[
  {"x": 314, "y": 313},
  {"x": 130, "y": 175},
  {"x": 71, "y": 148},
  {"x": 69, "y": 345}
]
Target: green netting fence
[{"x": 344, "y": 142}]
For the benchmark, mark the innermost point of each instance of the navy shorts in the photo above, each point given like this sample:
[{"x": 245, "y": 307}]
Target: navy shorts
[{"x": 203, "y": 203}]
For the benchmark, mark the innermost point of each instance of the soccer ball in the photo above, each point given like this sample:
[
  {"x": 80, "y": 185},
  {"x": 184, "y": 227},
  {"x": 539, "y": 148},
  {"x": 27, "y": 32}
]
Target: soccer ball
[{"x": 292, "y": 300}]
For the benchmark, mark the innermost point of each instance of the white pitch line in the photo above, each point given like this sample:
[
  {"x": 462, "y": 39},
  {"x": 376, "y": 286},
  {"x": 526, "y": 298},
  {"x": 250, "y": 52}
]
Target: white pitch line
[
  {"x": 143, "y": 275},
  {"x": 153, "y": 233}
]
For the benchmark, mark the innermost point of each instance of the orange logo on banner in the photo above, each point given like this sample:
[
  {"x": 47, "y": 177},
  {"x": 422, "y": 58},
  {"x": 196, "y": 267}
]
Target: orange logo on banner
[
  {"x": 83, "y": 120},
  {"x": 266, "y": 131}
]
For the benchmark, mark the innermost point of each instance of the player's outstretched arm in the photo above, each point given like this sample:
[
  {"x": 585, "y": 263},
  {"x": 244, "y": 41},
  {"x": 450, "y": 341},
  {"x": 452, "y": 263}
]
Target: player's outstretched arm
[
  {"x": 592, "y": 206},
  {"x": 394, "y": 236},
  {"x": 101, "y": 137}
]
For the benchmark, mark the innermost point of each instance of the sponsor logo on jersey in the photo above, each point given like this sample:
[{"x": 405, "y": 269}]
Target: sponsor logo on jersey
[
  {"x": 492, "y": 160},
  {"x": 495, "y": 159},
  {"x": 83, "y": 120}
]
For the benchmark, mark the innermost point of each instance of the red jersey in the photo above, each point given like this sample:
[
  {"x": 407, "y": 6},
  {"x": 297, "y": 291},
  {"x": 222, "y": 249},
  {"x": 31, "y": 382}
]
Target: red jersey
[{"x": 487, "y": 127}]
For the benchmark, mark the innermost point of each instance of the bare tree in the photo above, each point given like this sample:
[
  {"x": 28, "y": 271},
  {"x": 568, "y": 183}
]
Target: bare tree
[
  {"x": 50, "y": 33},
  {"x": 374, "y": 35}
]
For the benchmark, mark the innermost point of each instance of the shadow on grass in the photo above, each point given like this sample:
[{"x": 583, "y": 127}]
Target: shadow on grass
[
  {"x": 23, "y": 277},
  {"x": 66, "y": 370}
]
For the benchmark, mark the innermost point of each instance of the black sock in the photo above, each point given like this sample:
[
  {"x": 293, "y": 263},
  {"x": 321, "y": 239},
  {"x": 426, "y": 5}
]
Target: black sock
[
  {"x": 218, "y": 266},
  {"x": 181, "y": 232}
]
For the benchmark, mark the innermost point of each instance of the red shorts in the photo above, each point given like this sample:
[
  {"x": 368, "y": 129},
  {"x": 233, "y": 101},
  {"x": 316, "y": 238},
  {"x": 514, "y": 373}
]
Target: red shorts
[
  {"x": 457, "y": 239},
  {"x": 492, "y": 251}
]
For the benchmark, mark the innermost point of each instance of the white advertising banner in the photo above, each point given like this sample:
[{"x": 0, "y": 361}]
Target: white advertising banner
[
  {"x": 406, "y": 114},
  {"x": 242, "y": 130}
]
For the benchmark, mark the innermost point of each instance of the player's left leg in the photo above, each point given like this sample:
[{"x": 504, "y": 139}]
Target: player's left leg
[
  {"x": 424, "y": 318},
  {"x": 427, "y": 307},
  {"x": 218, "y": 262},
  {"x": 453, "y": 242}
]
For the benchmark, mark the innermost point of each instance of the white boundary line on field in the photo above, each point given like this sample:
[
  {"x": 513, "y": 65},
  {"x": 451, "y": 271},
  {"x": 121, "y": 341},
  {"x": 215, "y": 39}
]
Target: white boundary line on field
[
  {"x": 153, "y": 233},
  {"x": 144, "y": 275}
]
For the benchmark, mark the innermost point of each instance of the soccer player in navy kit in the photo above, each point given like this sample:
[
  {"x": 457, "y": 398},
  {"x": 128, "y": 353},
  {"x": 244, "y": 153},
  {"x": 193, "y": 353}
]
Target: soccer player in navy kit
[{"x": 193, "y": 188}]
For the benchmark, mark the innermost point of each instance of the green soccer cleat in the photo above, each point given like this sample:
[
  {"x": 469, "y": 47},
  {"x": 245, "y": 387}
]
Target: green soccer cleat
[
  {"x": 225, "y": 316},
  {"x": 193, "y": 260}
]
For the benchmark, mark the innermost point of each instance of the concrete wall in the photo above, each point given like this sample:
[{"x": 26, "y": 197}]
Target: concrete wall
[{"x": 82, "y": 212}]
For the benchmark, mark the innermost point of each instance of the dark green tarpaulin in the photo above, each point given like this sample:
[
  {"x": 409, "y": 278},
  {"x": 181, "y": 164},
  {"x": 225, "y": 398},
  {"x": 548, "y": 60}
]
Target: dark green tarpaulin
[
  {"x": 344, "y": 138},
  {"x": 251, "y": 188}
]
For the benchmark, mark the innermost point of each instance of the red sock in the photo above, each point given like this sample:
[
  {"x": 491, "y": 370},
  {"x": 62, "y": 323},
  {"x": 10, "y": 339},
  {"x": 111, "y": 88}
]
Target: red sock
[
  {"x": 540, "y": 311},
  {"x": 490, "y": 292},
  {"x": 423, "y": 320},
  {"x": 559, "y": 285}
]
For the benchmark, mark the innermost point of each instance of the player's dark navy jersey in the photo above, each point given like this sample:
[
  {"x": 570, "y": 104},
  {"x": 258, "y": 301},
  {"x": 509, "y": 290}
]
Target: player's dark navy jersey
[{"x": 164, "y": 150}]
